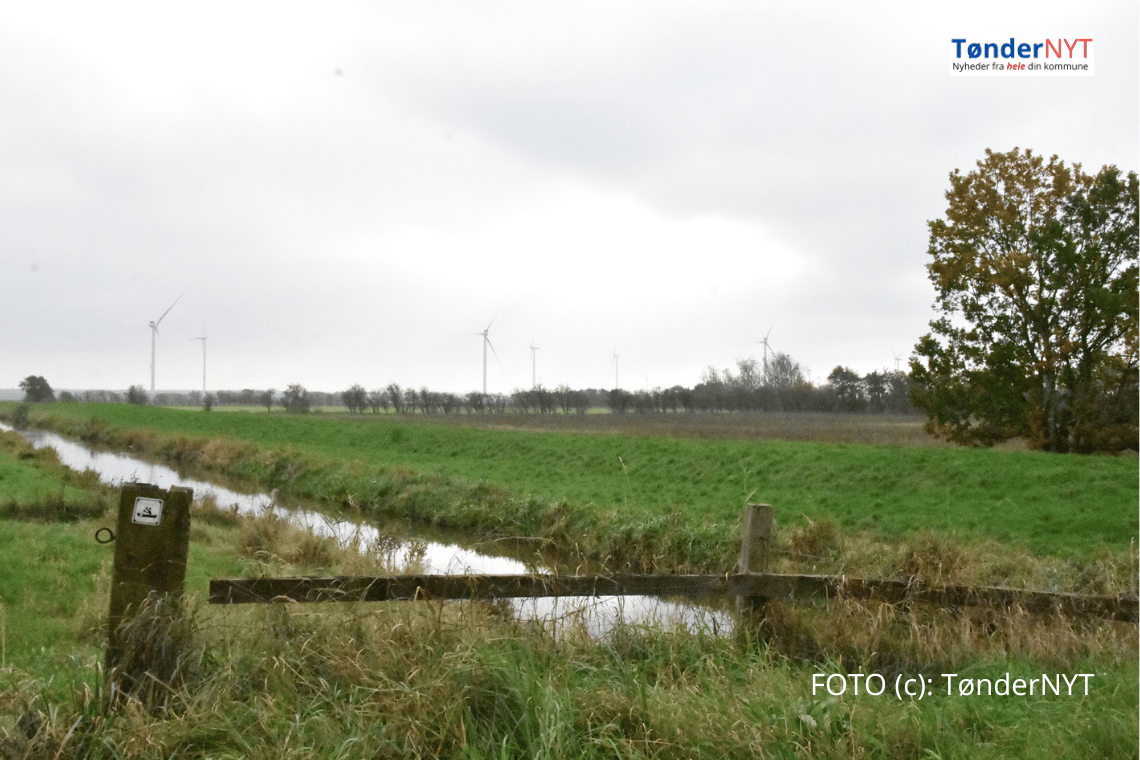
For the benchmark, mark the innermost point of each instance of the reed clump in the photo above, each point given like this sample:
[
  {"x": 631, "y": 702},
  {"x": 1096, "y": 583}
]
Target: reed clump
[
  {"x": 276, "y": 544},
  {"x": 154, "y": 654},
  {"x": 894, "y": 638},
  {"x": 207, "y": 510},
  {"x": 933, "y": 560}
]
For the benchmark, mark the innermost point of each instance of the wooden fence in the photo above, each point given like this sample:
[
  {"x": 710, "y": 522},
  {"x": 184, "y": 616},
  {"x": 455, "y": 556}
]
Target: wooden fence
[
  {"x": 152, "y": 540},
  {"x": 751, "y": 584}
]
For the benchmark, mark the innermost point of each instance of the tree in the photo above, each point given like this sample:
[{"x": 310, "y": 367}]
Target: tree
[
  {"x": 876, "y": 385},
  {"x": 395, "y": 397},
  {"x": 136, "y": 395},
  {"x": 898, "y": 392},
  {"x": 751, "y": 374},
  {"x": 267, "y": 399},
  {"x": 784, "y": 372},
  {"x": 36, "y": 389},
  {"x": 296, "y": 399},
  {"x": 848, "y": 389},
  {"x": 619, "y": 400},
  {"x": 476, "y": 402},
  {"x": 356, "y": 399},
  {"x": 1035, "y": 269}
]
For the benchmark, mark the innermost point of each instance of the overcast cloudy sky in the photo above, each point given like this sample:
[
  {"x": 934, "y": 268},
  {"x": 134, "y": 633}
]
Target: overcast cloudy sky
[{"x": 346, "y": 191}]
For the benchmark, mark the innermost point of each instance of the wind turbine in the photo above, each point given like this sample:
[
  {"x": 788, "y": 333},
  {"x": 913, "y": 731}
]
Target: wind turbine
[
  {"x": 897, "y": 359},
  {"x": 765, "y": 342},
  {"x": 154, "y": 333},
  {"x": 203, "y": 339},
  {"x": 486, "y": 343},
  {"x": 533, "y": 372},
  {"x": 616, "y": 385}
]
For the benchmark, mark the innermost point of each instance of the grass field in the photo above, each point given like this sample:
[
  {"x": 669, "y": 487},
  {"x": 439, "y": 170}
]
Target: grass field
[
  {"x": 1052, "y": 505},
  {"x": 465, "y": 680}
]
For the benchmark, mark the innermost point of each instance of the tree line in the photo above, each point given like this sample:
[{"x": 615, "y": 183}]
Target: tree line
[
  {"x": 747, "y": 388},
  {"x": 778, "y": 387}
]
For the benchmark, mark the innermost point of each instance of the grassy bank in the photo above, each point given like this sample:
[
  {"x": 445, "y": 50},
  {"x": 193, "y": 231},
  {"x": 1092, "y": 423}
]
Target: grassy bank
[
  {"x": 469, "y": 680},
  {"x": 31, "y": 479}
]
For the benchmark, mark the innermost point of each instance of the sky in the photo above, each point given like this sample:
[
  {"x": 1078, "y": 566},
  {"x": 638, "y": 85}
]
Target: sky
[{"x": 352, "y": 192}]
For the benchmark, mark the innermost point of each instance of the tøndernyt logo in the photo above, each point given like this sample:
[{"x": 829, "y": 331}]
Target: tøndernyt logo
[{"x": 1039, "y": 55}]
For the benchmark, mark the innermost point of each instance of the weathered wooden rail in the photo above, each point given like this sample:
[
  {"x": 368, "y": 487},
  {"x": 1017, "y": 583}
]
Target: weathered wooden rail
[
  {"x": 752, "y": 586},
  {"x": 766, "y": 586}
]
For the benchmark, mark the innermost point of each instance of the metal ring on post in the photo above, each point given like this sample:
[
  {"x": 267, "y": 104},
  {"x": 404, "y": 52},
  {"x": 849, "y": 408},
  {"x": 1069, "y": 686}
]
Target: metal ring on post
[{"x": 110, "y": 533}]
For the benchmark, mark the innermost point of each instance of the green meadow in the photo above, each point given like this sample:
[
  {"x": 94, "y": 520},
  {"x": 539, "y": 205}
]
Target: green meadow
[{"x": 1048, "y": 504}]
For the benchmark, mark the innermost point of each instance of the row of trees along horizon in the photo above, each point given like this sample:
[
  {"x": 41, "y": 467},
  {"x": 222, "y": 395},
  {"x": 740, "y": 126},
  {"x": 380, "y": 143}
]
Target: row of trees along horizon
[{"x": 781, "y": 387}]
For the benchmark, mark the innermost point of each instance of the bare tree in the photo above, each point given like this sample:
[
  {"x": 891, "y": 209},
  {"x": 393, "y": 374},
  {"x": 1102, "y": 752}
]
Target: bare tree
[
  {"x": 396, "y": 396},
  {"x": 784, "y": 372},
  {"x": 751, "y": 374},
  {"x": 356, "y": 399}
]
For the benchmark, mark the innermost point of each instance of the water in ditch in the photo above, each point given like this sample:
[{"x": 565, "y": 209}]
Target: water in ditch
[{"x": 416, "y": 552}]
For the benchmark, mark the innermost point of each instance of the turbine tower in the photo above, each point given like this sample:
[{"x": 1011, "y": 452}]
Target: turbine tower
[
  {"x": 486, "y": 343},
  {"x": 897, "y": 359},
  {"x": 765, "y": 342},
  {"x": 153, "y": 334},
  {"x": 616, "y": 385},
  {"x": 533, "y": 371},
  {"x": 203, "y": 339}
]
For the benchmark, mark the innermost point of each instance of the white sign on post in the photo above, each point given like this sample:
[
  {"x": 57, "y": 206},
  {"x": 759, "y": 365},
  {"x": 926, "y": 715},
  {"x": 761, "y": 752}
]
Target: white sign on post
[{"x": 147, "y": 511}]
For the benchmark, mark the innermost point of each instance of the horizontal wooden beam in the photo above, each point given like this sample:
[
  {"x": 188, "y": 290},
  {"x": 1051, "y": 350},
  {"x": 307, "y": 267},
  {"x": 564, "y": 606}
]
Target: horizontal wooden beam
[{"x": 770, "y": 585}]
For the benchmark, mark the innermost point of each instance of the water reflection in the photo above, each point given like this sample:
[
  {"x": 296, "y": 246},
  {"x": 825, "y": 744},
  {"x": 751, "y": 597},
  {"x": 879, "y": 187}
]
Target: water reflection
[{"x": 420, "y": 554}]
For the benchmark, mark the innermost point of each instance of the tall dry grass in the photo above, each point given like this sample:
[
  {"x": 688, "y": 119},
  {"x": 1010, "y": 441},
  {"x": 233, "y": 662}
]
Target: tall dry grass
[{"x": 410, "y": 680}]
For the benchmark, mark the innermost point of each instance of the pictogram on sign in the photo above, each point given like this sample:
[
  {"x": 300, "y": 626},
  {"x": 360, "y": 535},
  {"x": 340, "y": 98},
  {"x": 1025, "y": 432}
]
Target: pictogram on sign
[{"x": 147, "y": 511}]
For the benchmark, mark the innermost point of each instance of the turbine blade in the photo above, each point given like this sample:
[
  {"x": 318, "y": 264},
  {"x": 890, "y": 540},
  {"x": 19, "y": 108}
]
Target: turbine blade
[
  {"x": 496, "y": 314},
  {"x": 492, "y": 345},
  {"x": 176, "y": 300}
]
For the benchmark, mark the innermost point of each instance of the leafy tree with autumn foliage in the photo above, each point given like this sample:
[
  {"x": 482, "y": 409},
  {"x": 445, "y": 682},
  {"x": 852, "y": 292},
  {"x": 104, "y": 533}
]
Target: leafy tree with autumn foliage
[{"x": 1035, "y": 268}]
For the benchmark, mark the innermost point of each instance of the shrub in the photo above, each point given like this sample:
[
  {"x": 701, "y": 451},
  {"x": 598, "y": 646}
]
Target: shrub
[{"x": 137, "y": 396}]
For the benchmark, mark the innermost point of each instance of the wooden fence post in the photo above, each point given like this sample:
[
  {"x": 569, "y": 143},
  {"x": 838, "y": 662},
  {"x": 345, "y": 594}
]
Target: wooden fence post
[
  {"x": 152, "y": 541},
  {"x": 756, "y": 536}
]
